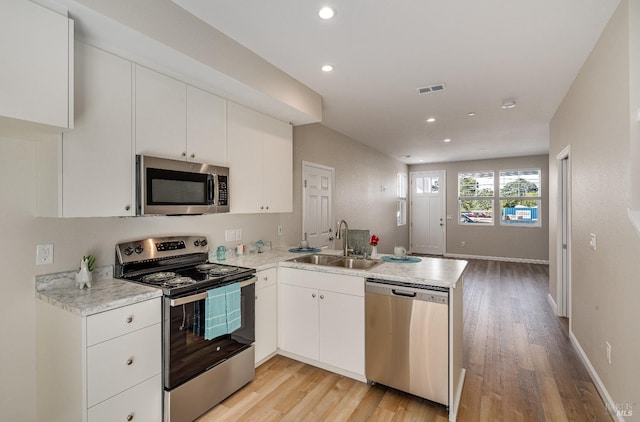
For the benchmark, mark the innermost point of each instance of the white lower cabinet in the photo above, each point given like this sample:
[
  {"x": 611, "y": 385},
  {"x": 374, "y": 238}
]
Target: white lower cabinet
[
  {"x": 321, "y": 318},
  {"x": 103, "y": 367},
  {"x": 266, "y": 314}
]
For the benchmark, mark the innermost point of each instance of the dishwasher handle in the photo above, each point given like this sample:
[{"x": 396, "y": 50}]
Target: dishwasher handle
[{"x": 403, "y": 293}]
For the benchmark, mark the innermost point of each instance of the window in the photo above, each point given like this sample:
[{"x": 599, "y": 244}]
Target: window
[
  {"x": 401, "y": 202},
  {"x": 476, "y": 197},
  {"x": 520, "y": 197}
]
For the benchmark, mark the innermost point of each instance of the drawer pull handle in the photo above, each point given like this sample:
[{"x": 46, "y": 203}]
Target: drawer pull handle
[
  {"x": 129, "y": 361},
  {"x": 129, "y": 319},
  {"x": 129, "y": 417}
]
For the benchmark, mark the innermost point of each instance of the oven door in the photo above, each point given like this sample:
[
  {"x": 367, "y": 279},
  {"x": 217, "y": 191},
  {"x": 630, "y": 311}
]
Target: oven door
[{"x": 186, "y": 353}]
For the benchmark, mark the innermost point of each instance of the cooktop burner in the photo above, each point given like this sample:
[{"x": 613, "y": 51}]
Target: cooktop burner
[{"x": 178, "y": 265}]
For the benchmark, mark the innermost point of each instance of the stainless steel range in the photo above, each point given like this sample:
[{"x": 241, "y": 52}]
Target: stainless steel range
[{"x": 208, "y": 320}]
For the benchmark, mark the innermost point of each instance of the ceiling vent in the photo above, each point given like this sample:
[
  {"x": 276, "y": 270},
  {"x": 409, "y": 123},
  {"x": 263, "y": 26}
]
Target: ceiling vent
[{"x": 431, "y": 88}]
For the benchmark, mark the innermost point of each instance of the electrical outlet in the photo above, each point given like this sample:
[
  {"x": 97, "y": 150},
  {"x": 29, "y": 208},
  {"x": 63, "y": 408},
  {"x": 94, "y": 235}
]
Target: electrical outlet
[
  {"x": 44, "y": 254},
  {"x": 592, "y": 241},
  {"x": 229, "y": 235},
  {"x": 463, "y": 243},
  {"x": 238, "y": 234},
  {"x": 279, "y": 229},
  {"x": 608, "y": 352}
]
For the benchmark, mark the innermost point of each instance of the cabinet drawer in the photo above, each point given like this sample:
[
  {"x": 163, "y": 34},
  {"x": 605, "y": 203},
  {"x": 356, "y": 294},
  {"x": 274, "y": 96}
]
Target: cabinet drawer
[
  {"x": 266, "y": 278},
  {"x": 140, "y": 403},
  {"x": 339, "y": 283},
  {"x": 118, "y": 364},
  {"x": 120, "y": 321}
]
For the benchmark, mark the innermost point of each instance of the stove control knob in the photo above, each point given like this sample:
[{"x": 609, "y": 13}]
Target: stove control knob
[
  {"x": 128, "y": 251},
  {"x": 203, "y": 242},
  {"x": 139, "y": 249},
  {"x": 196, "y": 243}
]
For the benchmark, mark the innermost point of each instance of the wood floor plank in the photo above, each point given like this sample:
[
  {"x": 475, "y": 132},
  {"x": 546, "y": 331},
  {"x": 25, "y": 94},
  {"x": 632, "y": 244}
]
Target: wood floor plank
[{"x": 520, "y": 366}]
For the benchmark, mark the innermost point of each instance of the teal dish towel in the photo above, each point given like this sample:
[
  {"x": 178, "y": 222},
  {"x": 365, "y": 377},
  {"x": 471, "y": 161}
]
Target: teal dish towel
[
  {"x": 215, "y": 309},
  {"x": 234, "y": 315}
]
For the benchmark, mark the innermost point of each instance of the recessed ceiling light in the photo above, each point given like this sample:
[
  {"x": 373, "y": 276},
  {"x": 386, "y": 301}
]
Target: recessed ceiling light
[
  {"x": 431, "y": 119},
  {"x": 327, "y": 12},
  {"x": 327, "y": 68},
  {"x": 508, "y": 104},
  {"x": 471, "y": 114},
  {"x": 446, "y": 140}
]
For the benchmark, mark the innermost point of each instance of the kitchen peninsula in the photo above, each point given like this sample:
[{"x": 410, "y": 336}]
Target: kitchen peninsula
[{"x": 340, "y": 347}]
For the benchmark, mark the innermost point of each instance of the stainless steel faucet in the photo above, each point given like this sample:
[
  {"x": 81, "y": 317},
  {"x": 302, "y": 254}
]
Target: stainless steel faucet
[{"x": 345, "y": 241}]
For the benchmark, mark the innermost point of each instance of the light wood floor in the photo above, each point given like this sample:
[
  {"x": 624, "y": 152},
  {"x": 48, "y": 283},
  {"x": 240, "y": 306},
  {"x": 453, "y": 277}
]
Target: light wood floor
[{"x": 520, "y": 366}]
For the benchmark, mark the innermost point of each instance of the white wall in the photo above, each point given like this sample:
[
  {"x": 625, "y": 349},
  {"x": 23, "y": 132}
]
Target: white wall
[
  {"x": 360, "y": 171},
  {"x": 526, "y": 243},
  {"x": 596, "y": 121},
  {"x": 72, "y": 238}
]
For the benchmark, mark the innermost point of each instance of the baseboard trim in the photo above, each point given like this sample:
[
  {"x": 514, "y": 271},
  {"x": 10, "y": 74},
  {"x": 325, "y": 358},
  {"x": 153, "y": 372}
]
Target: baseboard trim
[
  {"x": 498, "y": 258},
  {"x": 610, "y": 404}
]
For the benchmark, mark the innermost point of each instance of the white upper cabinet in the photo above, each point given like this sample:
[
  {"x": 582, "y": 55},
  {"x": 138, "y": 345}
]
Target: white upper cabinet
[
  {"x": 160, "y": 115},
  {"x": 206, "y": 127},
  {"x": 175, "y": 120},
  {"x": 260, "y": 151},
  {"x": 90, "y": 174},
  {"x": 36, "y": 75}
]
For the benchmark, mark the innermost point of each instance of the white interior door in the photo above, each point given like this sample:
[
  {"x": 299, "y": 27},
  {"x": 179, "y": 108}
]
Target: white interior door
[
  {"x": 317, "y": 186},
  {"x": 564, "y": 235},
  {"x": 428, "y": 209}
]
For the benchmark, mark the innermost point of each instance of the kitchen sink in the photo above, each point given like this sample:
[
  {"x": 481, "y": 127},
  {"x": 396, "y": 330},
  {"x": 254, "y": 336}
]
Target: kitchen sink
[
  {"x": 337, "y": 261},
  {"x": 315, "y": 259},
  {"x": 355, "y": 263}
]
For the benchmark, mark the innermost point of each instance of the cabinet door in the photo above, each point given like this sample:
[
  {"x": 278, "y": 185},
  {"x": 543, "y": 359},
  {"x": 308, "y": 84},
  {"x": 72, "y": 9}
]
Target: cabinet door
[
  {"x": 96, "y": 156},
  {"x": 161, "y": 115},
  {"x": 266, "y": 321},
  {"x": 278, "y": 166},
  {"x": 342, "y": 331},
  {"x": 298, "y": 320},
  {"x": 36, "y": 73},
  {"x": 245, "y": 151},
  {"x": 206, "y": 127}
]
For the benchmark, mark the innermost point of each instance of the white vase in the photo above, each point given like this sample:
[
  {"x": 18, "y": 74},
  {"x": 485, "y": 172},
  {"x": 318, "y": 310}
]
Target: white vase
[{"x": 374, "y": 251}]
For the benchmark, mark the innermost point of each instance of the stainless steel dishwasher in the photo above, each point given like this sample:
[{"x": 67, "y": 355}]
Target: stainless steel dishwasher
[{"x": 407, "y": 338}]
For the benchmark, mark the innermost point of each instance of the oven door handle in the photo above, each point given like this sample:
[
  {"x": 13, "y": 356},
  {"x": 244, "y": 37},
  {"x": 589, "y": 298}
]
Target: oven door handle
[{"x": 200, "y": 296}]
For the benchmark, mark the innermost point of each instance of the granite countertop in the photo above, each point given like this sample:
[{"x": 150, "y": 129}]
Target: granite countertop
[
  {"x": 108, "y": 293},
  {"x": 429, "y": 271},
  {"x": 105, "y": 293}
]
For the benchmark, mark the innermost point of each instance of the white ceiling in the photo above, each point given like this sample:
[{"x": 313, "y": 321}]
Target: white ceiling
[{"x": 484, "y": 51}]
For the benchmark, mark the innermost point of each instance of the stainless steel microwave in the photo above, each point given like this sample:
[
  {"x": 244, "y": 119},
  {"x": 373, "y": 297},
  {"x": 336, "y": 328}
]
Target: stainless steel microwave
[{"x": 174, "y": 187}]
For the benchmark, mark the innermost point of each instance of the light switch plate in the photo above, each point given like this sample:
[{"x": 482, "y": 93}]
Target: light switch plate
[
  {"x": 229, "y": 235},
  {"x": 592, "y": 241},
  {"x": 238, "y": 234}
]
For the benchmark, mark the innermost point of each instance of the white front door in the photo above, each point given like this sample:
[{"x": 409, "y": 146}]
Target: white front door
[
  {"x": 317, "y": 186},
  {"x": 428, "y": 212}
]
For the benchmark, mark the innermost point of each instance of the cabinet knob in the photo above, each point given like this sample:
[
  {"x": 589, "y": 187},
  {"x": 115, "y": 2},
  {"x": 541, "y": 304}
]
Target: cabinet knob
[
  {"x": 261, "y": 207},
  {"x": 129, "y": 361},
  {"x": 266, "y": 278},
  {"x": 127, "y": 207},
  {"x": 193, "y": 156},
  {"x": 313, "y": 295},
  {"x": 130, "y": 417},
  {"x": 267, "y": 206},
  {"x": 321, "y": 296},
  {"x": 129, "y": 319},
  {"x": 184, "y": 153}
]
